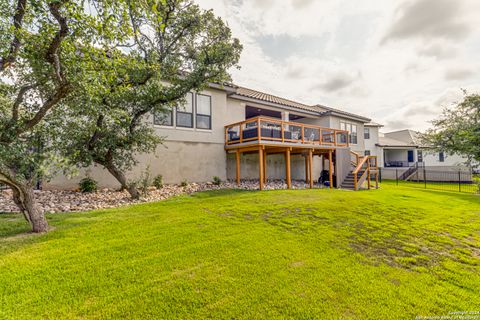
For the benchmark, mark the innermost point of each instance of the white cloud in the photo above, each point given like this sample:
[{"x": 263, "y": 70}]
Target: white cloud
[{"x": 330, "y": 52}]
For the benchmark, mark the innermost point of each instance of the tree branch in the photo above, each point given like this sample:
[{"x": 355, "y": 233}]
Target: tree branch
[
  {"x": 52, "y": 51},
  {"x": 19, "y": 101},
  {"x": 60, "y": 93},
  {"x": 15, "y": 45}
]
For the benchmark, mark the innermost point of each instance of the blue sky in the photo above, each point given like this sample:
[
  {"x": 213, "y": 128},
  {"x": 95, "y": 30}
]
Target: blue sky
[{"x": 399, "y": 62}]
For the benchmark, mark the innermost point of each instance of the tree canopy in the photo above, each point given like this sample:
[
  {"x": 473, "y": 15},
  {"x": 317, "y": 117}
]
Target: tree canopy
[
  {"x": 457, "y": 130},
  {"x": 78, "y": 78}
]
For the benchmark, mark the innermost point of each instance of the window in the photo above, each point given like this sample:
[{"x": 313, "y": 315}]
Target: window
[
  {"x": 366, "y": 133},
  {"x": 441, "y": 157},
  {"x": 367, "y": 152},
  {"x": 410, "y": 155},
  {"x": 204, "y": 112},
  {"x": 352, "y": 129},
  {"x": 420, "y": 156},
  {"x": 185, "y": 113},
  {"x": 164, "y": 118}
]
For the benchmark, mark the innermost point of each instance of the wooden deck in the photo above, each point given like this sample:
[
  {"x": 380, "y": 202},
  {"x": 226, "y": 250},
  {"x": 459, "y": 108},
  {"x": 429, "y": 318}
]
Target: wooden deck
[{"x": 267, "y": 136}]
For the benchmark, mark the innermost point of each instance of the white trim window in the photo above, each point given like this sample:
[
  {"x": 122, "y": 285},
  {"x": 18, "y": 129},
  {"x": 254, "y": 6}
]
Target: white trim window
[
  {"x": 366, "y": 133},
  {"x": 203, "y": 117},
  {"x": 184, "y": 114},
  {"x": 353, "y": 131}
]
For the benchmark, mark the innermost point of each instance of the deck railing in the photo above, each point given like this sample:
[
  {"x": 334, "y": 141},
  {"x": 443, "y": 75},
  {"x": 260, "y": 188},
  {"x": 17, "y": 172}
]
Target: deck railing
[
  {"x": 270, "y": 129},
  {"x": 365, "y": 166}
]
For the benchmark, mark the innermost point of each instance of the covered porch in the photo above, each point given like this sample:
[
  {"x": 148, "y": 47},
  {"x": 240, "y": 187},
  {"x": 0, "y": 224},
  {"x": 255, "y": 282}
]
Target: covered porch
[{"x": 264, "y": 137}]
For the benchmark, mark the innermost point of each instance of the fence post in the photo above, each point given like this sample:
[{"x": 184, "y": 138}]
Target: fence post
[
  {"x": 459, "y": 182},
  {"x": 425, "y": 177},
  {"x": 396, "y": 175}
]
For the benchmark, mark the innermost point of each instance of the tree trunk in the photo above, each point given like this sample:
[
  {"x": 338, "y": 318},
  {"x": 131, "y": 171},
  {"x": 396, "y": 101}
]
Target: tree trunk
[
  {"x": 118, "y": 174},
  {"x": 25, "y": 200}
]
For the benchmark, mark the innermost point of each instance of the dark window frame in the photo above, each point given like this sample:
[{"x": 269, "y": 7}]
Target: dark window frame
[
  {"x": 185, "y": 113},
  {"x": 441, "y": 156},
  {"x": 172, "y": 120},
  {"x": 366, "y": 133},
  {"x": 201, "y": 114}
]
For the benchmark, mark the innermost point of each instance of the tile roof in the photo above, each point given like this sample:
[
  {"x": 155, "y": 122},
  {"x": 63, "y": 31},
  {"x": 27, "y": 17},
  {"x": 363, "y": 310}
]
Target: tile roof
[
  {"x": 320, "y": 109},
  {"x": 254, "y": 94}
]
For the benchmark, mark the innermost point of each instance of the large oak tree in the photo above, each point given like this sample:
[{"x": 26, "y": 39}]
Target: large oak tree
[
  {"x": 176, "y": 48},
  {"x": 46, "y": 55}
]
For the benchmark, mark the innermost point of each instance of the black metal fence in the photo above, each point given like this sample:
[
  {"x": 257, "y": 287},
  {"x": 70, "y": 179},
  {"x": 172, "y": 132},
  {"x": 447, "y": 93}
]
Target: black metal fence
[{"x": 431, "y": 178}]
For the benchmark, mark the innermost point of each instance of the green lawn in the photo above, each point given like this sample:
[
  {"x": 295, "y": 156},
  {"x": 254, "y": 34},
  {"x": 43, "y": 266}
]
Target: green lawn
[{"x": 394, "y": 253}]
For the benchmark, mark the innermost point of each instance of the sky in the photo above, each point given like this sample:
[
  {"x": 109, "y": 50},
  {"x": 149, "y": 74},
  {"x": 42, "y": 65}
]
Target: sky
[{"x": 398, "y": 62}]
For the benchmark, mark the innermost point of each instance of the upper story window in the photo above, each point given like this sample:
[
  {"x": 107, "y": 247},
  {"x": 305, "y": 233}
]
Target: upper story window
[
  {"x": 185, "y": 113},
  {"x": 163, "y": 118},
  {"x": 352, "y": 129},
  {"x": 366, "y": 133},
  {"x": 204, "y": 112}
]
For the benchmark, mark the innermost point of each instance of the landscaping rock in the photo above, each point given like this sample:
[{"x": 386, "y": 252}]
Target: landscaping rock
[{"x": 72, "y": 201}]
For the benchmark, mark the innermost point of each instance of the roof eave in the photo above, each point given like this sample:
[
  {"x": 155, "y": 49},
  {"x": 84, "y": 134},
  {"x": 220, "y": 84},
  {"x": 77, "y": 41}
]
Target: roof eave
[
  {"x": 347, "y": 116},
  {"x": 273, "y": 104}
]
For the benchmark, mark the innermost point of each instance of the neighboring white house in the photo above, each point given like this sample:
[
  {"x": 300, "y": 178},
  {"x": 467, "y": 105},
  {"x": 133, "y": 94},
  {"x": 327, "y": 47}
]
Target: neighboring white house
[{"x": 403, "y": 150}]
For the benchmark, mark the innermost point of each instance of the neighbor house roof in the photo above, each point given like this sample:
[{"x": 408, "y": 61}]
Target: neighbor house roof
[
  {"x": 320, "y": 110},
  {"x": 373, "y": 124},
  {"x": 390, "y": 142}
]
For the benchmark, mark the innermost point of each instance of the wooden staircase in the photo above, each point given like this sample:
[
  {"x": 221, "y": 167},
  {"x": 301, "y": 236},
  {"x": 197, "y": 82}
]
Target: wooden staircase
[
  {"x": 363, "y": 169},
  {"x": 349, "y": 182}
]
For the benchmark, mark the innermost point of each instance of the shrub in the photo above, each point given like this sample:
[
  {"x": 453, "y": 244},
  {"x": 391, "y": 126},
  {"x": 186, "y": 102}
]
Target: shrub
[
  {"x": 158, "y": 182},
  {"x": 144, "y": 181},
  {"x": 217, "y": 181},
  {"x": 184, "y": 183},
  {"x": 88, "y": 185}
]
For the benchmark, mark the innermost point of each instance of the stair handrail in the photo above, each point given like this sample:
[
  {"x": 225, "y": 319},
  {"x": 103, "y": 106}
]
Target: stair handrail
[
  {"x": 357, "y": 158},
  {"x": 357, "y": 169}
]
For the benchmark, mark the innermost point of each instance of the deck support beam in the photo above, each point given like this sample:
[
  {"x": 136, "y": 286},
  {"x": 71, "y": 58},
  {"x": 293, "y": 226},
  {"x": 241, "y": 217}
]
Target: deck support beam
[
  {"x": 260, "y": 167},
  {"x": 265, "y": 166},
  {"x": 237, "y": 161},
  {"x": 330, "y": 171},
  {"x": 310, "y": 165},
  {"x": 287, "y": 168},
  {"x": 307, "y": 170}
]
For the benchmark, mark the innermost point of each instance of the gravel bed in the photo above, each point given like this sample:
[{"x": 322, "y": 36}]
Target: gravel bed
[{"x": 57, "y": 201}]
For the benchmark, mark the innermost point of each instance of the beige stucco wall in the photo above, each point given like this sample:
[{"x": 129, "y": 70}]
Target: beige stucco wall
[
  {"x": 175, "y": 161},
  {"x": 197, "y": 155}
]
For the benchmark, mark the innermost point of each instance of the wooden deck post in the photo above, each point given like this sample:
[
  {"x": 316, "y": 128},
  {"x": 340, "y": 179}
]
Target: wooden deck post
[
  {"x": 330, "y": 173},
  {"x": 310, "y": 162},
  {"x": 307, "y": 170},
  {"x": 237, "y": 160},
  {"x": 265, "y": 166},
  {"x": 260, "y": 168},
  {"x": 287, "y": 165}
]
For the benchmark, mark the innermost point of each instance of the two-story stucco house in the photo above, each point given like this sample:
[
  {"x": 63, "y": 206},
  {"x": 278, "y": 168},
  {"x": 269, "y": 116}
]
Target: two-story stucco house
[{"x": 237, "y": 133}]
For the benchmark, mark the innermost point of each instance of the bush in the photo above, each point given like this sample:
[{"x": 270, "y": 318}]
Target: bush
[
  {"x": 184, "y": 183},
  {"x": 217, "y": 181},
  {"x": 144, "y": 181},
  {"x": 88, "y": 185},
  {"x": 158, "y": 182}
]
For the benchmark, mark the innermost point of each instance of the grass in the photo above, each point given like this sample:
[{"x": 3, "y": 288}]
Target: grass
[
  {"x": 445, "y": 186},
  {"x": 393, "y": 253}
]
